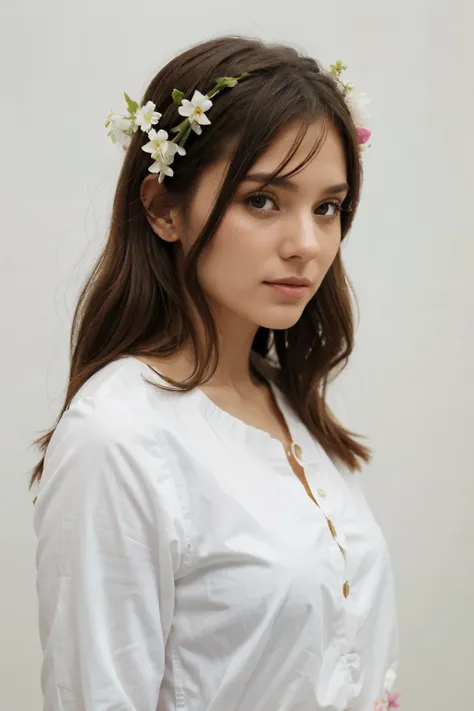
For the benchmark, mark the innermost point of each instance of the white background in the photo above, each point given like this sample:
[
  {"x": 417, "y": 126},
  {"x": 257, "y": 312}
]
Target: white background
[{"x": 410, "y": 256}]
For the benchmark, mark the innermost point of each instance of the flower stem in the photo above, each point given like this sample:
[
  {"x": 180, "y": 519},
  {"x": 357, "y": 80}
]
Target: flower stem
[
  {"x": 185, "y": 136},
  {"x": 180, "y": 126},
  {"x": 211, "y": 94},
  {"x": 185, "y": 129}
]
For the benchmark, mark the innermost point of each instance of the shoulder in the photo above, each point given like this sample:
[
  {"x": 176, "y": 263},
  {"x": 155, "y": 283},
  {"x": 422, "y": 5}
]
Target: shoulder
[
  {"x": 106, "y": 481},
  {"x": 122, "y": 400},
  {"x": 108, "y": 449},
  {"x": 125, "y": 385},
  {"x": 116, "y": 413}
]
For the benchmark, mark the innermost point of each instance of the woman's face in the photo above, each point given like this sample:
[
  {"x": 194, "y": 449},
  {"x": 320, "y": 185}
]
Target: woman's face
[{"x": 291, "y": 229}]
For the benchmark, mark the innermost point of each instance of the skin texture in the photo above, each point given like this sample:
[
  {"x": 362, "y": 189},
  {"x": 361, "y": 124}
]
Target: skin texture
[{"x": 282, "y": 232}]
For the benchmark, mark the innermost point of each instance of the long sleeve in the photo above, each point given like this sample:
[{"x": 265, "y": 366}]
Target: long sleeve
[{"x": 107, "y": 554}]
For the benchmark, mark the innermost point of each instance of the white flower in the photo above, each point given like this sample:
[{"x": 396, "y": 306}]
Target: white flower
[
  {"x": 163, "y": 152},
  {"x": 162, "y": 168},
  {"x": 120, "y": 129},
  {"x": 146, "y": 116},
  {"x": 156, "y": 143},
  {"x": 195, "y": 111},
  {"x": 160, "y": 145},
  {"x": 173, "y": 148},
  {"x": 358, "y": 103}
]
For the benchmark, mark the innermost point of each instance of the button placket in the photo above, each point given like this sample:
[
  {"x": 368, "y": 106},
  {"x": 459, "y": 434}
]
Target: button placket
[
  {"x": 311, "y": 469},
  {"x": 324, "y": 506},
  {"x": 339, "y": 538}
]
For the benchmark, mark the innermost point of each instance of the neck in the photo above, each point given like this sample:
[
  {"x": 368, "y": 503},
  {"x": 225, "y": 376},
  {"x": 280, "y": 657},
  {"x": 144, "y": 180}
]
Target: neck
[{"x": 233, "y": 372}]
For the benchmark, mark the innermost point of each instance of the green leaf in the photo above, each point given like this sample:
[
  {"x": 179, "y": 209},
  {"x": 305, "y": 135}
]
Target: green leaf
[
  {"x": 177, "y": 96},
  {"x": 338, "y": 68},
  {"x": 132, "y": 105},
  {"x": 222, "y": 82}
]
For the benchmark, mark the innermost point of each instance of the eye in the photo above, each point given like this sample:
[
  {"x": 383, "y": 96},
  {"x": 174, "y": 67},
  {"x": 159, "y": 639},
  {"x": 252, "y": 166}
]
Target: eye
[
  {"x": 330, "y": 209},
  {"x": 257, "y": 201}
]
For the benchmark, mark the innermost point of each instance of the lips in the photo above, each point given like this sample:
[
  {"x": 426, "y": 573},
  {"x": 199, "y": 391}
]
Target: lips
[
  {"x": 291, "y": 281},
  {"x": 288, "y": 290}
]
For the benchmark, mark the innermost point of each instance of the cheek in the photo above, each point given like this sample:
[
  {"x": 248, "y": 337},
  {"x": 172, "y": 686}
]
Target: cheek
[
  {"x": 233, "y": 254},
  {"x": 336, "y": 245},
  {"x": 332, "y": 244}
]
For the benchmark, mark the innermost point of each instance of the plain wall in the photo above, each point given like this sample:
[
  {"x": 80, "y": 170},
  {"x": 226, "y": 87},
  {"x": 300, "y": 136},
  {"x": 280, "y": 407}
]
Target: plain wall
[{"x": 409, "y": 385}]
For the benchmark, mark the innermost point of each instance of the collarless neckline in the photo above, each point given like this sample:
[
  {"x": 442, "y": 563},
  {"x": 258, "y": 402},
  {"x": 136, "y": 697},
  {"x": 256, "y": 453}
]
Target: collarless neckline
[
  {"x": 236, "y": 427},
  {"x": 240, "y": 431}
]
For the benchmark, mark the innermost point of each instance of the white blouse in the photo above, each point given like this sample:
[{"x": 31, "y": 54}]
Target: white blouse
[{"x": 183, "y": 566}]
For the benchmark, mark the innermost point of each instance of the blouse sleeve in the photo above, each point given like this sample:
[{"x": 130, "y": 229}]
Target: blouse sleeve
[{"x": 107, "y": 555}]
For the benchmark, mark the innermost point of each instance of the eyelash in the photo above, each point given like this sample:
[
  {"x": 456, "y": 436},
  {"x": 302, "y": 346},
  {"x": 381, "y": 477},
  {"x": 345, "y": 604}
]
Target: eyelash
[{"x": 337, "y": 204}]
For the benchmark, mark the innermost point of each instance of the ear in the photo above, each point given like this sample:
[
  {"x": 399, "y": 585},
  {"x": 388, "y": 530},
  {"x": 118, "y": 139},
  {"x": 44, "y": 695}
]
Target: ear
[{"x": 164, "y": 218}]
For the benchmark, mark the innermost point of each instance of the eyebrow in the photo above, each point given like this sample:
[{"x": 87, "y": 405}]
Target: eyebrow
[{"x": 267, "y": 179}]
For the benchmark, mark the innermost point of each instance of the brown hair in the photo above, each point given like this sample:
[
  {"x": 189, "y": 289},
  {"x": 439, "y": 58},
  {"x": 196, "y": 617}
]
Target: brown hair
[{"x": 133, "y": 304}]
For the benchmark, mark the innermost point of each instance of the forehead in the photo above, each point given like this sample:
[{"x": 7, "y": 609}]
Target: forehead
[{"x": 327, "y": 166}]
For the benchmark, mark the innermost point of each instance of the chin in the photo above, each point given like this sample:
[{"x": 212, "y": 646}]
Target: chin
[{"x": 286, "y": 318}]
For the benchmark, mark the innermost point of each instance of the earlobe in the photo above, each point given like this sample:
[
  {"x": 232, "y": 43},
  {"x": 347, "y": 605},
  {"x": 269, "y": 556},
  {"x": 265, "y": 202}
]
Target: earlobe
[{"x": 161, "y": 216}]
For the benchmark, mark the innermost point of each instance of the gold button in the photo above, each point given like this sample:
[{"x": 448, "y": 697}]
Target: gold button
[
  {"x": 332, "y": 529},
  {"x": 346, "y": 589},
  {"x": 35, "y": 500},
  {"x": 322, "y": 493},
  {"x": 298, "y": 451}
]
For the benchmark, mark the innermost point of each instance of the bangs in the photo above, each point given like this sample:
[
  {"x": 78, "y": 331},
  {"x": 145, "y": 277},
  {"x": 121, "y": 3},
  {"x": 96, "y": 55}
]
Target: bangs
[
  {"x": 268, "y": 112},
  {"x": 304, "y": 126}
]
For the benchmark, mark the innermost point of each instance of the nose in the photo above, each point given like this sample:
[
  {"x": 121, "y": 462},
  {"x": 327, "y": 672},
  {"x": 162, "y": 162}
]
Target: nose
[{"x": 302, "y": 238}]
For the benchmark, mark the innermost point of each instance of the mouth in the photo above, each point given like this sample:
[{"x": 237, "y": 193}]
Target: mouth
[{"x": 295, "y": 290}]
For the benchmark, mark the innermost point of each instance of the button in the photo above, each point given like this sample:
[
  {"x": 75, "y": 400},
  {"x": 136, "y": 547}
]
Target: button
[
  {"x": 331, "y": 528},
  {"x": 346, "y": 589},
  {"x": 297, "y": 451},
  {"x": 322, "y": 493}
]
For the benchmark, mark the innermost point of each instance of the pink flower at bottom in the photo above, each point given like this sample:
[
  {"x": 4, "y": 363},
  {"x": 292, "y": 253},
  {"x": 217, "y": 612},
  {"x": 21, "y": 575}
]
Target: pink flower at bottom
[
  {"x": 393, "y": 700},
  {"x": 389, "y": 701}
]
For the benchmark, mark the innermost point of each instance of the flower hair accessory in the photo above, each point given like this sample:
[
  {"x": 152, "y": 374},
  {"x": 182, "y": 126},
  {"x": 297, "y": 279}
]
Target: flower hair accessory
[
  {"x": 356, "y": 101},
  {"x": 162, "y": 148}
]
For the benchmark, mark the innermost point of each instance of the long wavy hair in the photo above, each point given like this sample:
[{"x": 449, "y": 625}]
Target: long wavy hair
[{"x": 133, "y": 302}]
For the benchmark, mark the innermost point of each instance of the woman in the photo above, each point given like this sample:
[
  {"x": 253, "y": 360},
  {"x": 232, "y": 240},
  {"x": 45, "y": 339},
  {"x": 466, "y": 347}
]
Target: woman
[{"x": 203, "y": 542}]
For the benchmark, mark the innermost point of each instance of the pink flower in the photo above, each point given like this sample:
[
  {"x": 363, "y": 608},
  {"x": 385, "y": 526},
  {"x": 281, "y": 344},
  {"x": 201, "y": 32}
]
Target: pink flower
[
  {"x": 364, "y": 135},
  {"x": 393, "y": 700},
  {"x": 389, "y": 701}
]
